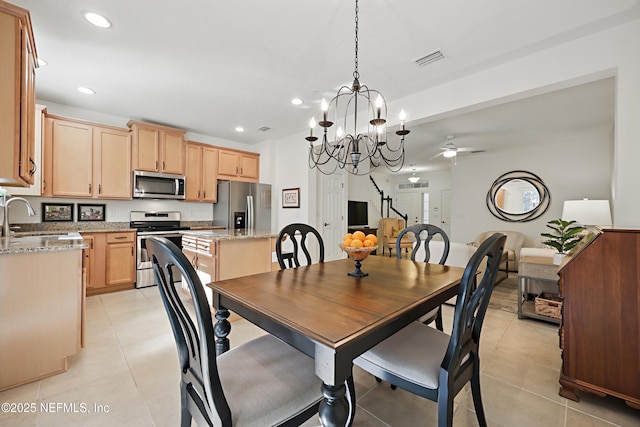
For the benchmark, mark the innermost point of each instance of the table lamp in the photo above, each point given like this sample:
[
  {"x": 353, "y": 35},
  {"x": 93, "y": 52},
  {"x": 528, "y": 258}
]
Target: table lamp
[{"x": 588, "y": 213}]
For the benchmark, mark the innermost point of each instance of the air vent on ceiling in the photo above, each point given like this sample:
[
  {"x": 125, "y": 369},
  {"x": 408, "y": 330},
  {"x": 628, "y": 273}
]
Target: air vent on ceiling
[
  {"x": 428, "y": 59},
  {"x": 264, "y": 128}
]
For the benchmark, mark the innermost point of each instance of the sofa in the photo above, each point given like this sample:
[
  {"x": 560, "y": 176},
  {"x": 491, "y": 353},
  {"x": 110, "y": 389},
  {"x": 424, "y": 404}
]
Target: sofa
[
  {"x": 388, "y": 235},
  {"x": 514, "y": 243}
]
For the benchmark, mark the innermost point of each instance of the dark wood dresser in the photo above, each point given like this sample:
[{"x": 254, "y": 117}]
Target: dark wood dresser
[{"x": 600, "y": 329}]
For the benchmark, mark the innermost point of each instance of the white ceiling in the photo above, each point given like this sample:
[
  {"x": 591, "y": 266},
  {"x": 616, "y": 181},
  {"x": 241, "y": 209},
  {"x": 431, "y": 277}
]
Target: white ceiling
[{"x": 208, "y": 66}]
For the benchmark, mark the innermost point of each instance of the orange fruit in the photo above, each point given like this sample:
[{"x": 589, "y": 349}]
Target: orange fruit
[
  {"x": 355, "y": 243},
  {"x": 348, "y": 236},
  {"x": 368, "y": 243},
  {"x": 373, "y": 238},
  {"x": 346, "y": 242},
  {"x": 359, "y": 235}
]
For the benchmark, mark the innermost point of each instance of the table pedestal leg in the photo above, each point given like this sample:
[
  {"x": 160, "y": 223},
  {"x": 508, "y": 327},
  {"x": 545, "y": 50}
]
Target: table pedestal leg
[
  {"x": 221, "y": 330},
  {"x": 335, "y": 410}
]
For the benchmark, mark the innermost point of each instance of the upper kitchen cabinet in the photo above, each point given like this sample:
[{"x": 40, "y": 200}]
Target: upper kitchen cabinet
[
  {"x": 82, "y": 159},
  {"x": 18, "y": 62},
  {"x": 157, "y": 148},
  {"x": 201, "y": 172},
  {"x": 238, "y": 165}
]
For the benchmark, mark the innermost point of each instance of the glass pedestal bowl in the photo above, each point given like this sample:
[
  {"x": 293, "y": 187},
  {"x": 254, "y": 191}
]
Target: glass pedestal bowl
[{"x": 358, "y": 254}]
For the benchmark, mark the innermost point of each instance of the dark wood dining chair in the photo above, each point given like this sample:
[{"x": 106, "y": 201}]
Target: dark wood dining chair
[
  {"x": 264, "y": 382},
  {"x": 432, "y": 364},
  {"x": 299, "y": 236},
  {"x": 418, "y": 231}
]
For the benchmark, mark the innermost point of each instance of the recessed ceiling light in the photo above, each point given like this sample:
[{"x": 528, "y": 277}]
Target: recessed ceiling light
[
  {"x": 239, "y": 129},
  {"x": 97, "y": 19},
  {"x": 297, "y": 101},
  {"x": 86, "y": 90},
  {"x": 42, "y": 62}
]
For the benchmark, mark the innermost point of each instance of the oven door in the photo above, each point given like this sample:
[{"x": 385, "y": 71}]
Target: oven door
[{"x": 144, "y": 267}]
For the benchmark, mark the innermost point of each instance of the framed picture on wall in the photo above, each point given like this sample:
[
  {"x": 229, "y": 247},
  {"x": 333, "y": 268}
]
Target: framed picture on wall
[
  {"x": 91, "y": 212},
  {"x": 57, "y": 212},
  {"x": 291, "y": 198}
]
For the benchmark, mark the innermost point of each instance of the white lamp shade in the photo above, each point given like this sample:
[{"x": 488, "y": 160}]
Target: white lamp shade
[{"x": 588, "y": 212}]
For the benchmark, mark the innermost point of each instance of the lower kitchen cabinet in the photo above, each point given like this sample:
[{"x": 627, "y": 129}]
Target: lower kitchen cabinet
[{"x": 110, "y": 261}]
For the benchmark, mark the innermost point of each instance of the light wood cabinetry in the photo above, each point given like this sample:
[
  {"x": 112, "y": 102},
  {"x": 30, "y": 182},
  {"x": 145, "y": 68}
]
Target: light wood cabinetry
[
  {"x": 157, "y": 148},
  {"x": 41, "y": 313},
  {"x": 18, "y": 62},
  {"x": 82, "y": 159},
  {"x": 600, "y": 288},
  {"x": 201, "y": 172},
  {"x": 238, "y": 165},
  {"x": 110, "y": 261}
]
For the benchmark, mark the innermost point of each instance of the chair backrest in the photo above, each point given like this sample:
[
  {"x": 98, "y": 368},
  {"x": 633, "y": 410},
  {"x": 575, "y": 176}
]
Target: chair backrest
[
  {"x": 432, "y": 231},
  {"x": 298, "y": 234},
  {"x": 473, "y": 299},
  {"x": 196, "y": 345}
]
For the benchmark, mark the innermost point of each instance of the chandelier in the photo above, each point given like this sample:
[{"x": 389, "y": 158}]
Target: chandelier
[{"x": 346, "y": 150}]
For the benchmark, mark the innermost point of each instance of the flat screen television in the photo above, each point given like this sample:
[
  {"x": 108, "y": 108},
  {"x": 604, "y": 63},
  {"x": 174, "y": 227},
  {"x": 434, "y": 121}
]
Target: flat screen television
[{"x": 358, "y": 213}]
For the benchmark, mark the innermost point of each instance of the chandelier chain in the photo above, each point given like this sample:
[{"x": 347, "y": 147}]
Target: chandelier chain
[{"x": 356, "y": 74}]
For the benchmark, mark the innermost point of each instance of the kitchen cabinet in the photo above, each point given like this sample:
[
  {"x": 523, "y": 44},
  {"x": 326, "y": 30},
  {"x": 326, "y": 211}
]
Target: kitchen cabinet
[
  {"x": 110, "y": 261},
  {"x": 157, "y": 148},
  {"x": 86, "y": 160},
  {"x": 238, "y": 165},
  {"x": 18, "y": 62},
  {"x": 201, "y": 172},
  {"x": 41, "y": 311},
  {"x": 202, "y": 253}
]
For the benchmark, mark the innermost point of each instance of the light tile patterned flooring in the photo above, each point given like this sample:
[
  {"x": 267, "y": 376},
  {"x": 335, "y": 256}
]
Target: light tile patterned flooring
[{"x": 129, "y": 365}]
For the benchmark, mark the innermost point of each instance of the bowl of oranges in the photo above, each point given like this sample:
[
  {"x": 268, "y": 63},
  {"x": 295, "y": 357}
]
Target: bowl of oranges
[{"x": 359, "y": 245}]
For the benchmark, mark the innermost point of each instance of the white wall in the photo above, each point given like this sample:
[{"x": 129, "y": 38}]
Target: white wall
[{"x": 571, "y": 169}]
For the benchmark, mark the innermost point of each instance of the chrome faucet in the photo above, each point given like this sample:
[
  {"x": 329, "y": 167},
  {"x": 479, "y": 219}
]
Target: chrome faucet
[{"x": 5, "y": 203}]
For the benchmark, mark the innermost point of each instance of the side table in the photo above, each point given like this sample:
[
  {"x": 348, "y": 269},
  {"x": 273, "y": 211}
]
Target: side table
[{"x": 538, "y": 268}]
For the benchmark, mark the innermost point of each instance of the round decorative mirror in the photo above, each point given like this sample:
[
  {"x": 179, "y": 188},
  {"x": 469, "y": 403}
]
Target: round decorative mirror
[{"x": 518, "y": 196}]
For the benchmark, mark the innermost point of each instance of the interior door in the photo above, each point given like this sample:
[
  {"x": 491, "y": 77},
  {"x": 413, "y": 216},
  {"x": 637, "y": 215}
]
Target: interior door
[
  {"x": 410, "y": 203},
  {"x": 446, "y": 211},
  {"x": 332, "y": 214}
]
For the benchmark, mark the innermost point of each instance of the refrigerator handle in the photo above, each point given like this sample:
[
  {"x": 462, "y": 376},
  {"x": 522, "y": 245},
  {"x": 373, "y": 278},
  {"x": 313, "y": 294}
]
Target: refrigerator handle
[{"x": 249, "y": 212}]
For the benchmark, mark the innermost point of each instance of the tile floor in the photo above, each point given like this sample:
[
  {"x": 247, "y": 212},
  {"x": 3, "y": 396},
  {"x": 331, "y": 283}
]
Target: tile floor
[{"x": 127, "y": 375}]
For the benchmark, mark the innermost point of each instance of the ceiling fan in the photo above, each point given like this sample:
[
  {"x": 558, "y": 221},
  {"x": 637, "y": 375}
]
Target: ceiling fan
[{"x": 450, "y": 150}]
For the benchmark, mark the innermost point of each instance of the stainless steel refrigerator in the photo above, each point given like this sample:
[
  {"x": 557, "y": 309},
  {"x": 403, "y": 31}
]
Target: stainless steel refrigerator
[{"x": 243, "y": 205}]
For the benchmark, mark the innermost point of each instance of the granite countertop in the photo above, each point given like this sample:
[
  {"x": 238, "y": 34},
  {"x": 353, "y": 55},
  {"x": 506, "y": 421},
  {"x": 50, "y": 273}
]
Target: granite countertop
[
  {"x": 218, "y": 235},
  {"x": 41, "y": 243}
]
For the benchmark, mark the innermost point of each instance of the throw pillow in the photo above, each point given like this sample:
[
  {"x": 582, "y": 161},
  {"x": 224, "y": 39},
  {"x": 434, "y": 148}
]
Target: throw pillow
[{"x": 395, "y": 232}]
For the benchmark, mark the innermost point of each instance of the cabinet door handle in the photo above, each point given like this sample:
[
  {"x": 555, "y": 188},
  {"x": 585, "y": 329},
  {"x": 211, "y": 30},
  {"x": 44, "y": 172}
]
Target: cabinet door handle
[
  {"x": 44, "y": 184},
  {"x": 99, "y": 188},
  {"x": 35, "y": 167},
  {"x": 198, "y": 194},
  {"x": 204, "y": 194},
  {"x": 131, "y": 250},
  {"x": 163, "y": 165},
  {"x": 236, "y": 169},
  {"x": 156, "y": 165},
  {"x": 89, "y": 187}
]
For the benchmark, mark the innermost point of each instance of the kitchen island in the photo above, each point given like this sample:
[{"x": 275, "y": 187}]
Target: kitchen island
[
  {"x": 227, "y": 254},
  {"x": 42, "y": 306}
]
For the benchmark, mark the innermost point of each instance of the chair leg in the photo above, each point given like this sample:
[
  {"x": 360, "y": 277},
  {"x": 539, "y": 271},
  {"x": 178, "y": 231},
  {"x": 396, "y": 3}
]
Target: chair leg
[
  {"x": 445, "y": 409},
  {"x": 185, "y": 415},
  {"x": 477, "y": 397},
  {"x": 439, "y": 320}
]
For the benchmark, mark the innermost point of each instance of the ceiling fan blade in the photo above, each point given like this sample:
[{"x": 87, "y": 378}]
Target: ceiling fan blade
[
  {"x": 471, "y": 149},
  {"x": 437, "y": 155}
]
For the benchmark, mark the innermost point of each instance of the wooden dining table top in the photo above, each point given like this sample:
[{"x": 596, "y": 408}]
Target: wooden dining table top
[{"x": 323, "y": 303}]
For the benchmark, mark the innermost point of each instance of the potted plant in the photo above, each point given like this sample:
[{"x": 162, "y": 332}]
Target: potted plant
[{"x": 565, "y": 237}]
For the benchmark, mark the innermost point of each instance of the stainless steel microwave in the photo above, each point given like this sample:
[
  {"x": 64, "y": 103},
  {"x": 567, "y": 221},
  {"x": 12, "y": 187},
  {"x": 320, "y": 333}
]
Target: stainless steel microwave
[{"x": 152, "y": 185}]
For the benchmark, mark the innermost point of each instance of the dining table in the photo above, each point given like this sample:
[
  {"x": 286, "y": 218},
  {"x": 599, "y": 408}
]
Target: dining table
[{"x": 334, "y": 317}]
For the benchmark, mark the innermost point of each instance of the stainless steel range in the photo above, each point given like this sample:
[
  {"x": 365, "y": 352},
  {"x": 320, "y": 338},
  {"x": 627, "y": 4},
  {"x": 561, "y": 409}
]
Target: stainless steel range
[{"x": 163, "y": 224}]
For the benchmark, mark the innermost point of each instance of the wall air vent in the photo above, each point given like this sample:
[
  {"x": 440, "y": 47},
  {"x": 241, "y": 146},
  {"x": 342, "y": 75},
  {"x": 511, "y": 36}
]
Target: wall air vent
[
  {"x": 428, "y": 59},
  {"x": 264, "y": 128},
  {"x": 410, "y": 185}
]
